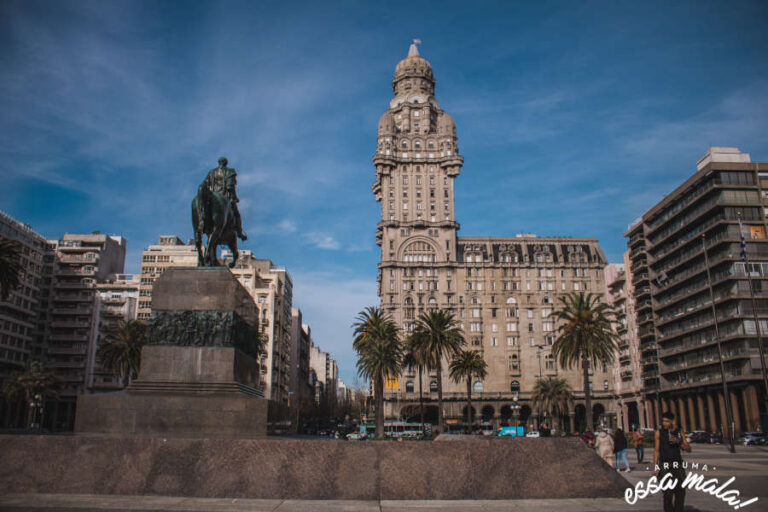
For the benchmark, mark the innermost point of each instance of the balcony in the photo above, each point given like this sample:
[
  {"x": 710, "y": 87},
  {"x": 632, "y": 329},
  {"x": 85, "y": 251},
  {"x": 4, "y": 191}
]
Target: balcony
[
  {"x": 77, "y": 272},
  {"x": 73, "y": 285},
  {"x": 54, "y": 350},
  {"x": 66, "y": 364},
  {"x": 69, "y": 337},
  {"x": 78, "y": 258},
  {"x": 71, "y": 298},
  {"x": 71, "y": 324},
  {"x": 71, "y": 311}
]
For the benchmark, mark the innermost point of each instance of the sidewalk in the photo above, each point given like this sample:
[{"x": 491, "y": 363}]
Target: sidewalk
[{"x": 103, "y": 503}]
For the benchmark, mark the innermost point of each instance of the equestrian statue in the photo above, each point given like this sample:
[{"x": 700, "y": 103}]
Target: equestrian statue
[{"x": 215, "y": 213}]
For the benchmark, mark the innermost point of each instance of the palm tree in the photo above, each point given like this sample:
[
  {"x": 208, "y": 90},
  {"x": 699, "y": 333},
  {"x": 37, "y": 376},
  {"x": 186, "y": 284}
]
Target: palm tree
[
  {"x": 443, "y": 338},
  {"x": 466, "y": 365},
  {"x": 379, "y": 354},
  {"x": 121, "y": 353},
  {"x": 585, "y": 337},
  {"x": 10, "y": 252},
  {"x": 416, "y": 358},
  {"x": 554, "y": 395},
  {"x": 33, "y": 379}
]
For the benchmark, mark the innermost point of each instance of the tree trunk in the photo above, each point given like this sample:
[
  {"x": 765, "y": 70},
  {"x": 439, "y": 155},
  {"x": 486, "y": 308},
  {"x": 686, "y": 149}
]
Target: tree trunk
[
  {"x": 421, "y": 400},
  {"x": 440, "y": 416},
  {"x": 379, "y": 407},
  {"x": 587, "y": 395},
  {"x": 469, "y": 405}
]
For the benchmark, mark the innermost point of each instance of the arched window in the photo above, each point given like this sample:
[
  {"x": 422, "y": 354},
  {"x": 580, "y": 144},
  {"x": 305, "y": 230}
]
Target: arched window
[
  {"x": 420, "y": 252},
  {"x": 409, "y": 387},
  {"x": 477, "y": 387},
  {"x": 433, "y": 386},
  {"x": 511, "y": 300},
  {"x": 408, "y": 301},
  {"x": 432, "y": 301},
  {"x": 514, "y": 386}
]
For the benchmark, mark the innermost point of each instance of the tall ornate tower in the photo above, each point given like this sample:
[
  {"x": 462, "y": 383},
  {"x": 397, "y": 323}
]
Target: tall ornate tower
[{"x": 416, "y": 162}]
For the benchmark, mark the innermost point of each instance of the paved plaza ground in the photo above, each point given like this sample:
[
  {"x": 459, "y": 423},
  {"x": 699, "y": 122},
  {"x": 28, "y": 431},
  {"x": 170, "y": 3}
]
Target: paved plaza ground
[{"x": 749, "y": 466}]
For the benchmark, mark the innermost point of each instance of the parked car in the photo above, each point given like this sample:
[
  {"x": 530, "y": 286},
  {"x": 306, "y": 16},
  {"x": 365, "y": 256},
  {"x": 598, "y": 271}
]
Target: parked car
[
  {"x": 356, "y": 436},
  {"x": 698, "y": 436},
  {"x": 715, "y": 438},
  {"x": 751, "y": 438},
  {"x": 532, "y": 433}
]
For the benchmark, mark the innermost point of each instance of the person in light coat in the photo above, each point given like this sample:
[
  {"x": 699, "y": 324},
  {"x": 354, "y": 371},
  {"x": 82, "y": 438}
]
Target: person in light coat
[{"x": 604, "y": 447}]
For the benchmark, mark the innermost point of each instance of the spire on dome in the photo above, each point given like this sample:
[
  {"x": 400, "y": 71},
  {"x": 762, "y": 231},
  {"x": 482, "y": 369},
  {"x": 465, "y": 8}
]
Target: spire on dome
[{"x": 413, "y": 51}]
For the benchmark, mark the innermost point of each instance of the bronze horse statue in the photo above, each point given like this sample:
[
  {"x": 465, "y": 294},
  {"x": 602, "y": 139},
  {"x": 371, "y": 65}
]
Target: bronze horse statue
[{"x": 215, "y": 213}]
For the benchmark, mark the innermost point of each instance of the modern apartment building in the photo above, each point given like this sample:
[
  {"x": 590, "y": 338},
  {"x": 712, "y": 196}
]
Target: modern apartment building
[
  {"x": 81, "y": 262},
  {"x": 676, "y": 327},
  {"x": 502, "y": 290},
  {"x": 272, "y": 289},
  {"x": 628, "y": 384},
  {"x": 21, "y": 327},
  {"x": 169, "y": 251}
]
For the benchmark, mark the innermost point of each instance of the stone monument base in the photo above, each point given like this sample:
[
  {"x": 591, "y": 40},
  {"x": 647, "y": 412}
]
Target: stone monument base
[
  {"x": 482, "y": 469},
  {"x": 181, "y": 392}
]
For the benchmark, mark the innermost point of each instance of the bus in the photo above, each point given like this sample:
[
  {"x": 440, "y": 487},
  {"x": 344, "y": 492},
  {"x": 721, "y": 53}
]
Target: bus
[{"x": 396, "y": 429}]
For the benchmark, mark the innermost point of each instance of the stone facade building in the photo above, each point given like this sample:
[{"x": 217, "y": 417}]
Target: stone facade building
[
  {"x": 326, "y": 375},
  {"x": 272, "y": 289},
  {"x": 170, "y": 251},
  {"x": 502, "y": 290},
  {"x": 301, "y": 341},
  {"x": 118, "y": 300},
  {"x": 676, "y": 326},
  {"x": 628, "y": 384}
]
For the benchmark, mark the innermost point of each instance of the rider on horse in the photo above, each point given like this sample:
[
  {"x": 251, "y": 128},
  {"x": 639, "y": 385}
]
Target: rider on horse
[{"x": 221, "y": 180}]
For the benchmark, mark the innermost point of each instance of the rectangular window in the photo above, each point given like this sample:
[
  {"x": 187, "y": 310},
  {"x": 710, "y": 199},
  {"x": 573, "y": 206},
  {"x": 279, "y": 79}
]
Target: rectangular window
[
  {"x": 494, "y": 328},
  {"x": 512, "y": 341},
  {"x": 512, "y": 326},
  {"x": 494, "y": 342}
]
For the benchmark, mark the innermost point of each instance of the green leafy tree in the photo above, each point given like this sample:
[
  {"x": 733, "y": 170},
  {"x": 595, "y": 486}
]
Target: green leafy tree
[
  {"x": 554, "y": 395},
  {"x": 33, "y": 379},
  {"x": 10, "y": 253},
  {"x": 468, "y": 365},
  {"x": 121, "y": 351},
  {"x": 417, "y": 358},
  {"x": 379, "y": 354},
  {"x": 443, "y": 338},
  {"x": 584, "y": 337}
]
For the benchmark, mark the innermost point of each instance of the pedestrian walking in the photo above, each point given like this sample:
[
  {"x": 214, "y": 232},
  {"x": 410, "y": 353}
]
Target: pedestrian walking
[
  {"x": 667, "y": 459},
  {"x": 620, "y": 450},
  {"x": 604, "y": 447},
  {"x": 637, "y": 438},
  {"x": 545, "y": 431}
]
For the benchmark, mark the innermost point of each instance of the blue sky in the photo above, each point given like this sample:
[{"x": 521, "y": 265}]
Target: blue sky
[{"x": 573, "y": 118}]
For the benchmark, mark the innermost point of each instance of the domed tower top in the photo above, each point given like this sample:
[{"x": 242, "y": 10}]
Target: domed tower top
[
  {"x": 386, "y": 124},
  {"x": 413, "y": 73}
]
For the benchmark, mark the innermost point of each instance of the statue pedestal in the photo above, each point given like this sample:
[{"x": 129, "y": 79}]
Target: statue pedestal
[{"x": 199, "y": 372}]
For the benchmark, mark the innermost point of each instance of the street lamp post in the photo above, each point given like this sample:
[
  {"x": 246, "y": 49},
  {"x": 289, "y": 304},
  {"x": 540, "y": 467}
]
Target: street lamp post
[
  {"x": 727, "y": 398},
  {"x": 538, "y": 356}
]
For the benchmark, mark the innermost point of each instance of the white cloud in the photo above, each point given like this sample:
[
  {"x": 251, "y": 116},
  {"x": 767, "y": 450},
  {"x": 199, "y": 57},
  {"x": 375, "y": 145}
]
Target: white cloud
[
  {"x": 287, "y": 226},
  {"x": 322, "y": 240},
  {"x": 329, "y": 302}
]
